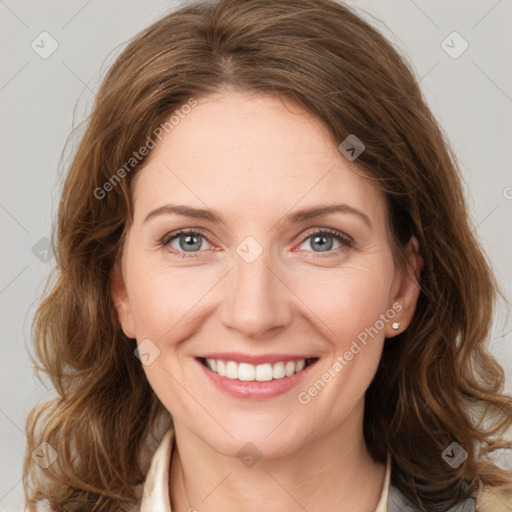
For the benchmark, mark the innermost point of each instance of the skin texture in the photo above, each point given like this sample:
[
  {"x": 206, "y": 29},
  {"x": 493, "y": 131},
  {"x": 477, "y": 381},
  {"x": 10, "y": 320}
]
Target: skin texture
[{"x": 254, "y": 160}]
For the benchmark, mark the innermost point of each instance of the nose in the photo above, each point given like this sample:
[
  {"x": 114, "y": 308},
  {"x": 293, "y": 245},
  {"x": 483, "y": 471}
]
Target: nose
[{"x": 258, "y": 304}]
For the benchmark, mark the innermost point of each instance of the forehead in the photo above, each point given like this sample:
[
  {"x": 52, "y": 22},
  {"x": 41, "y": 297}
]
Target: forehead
[{"x": 238, "y": 152}]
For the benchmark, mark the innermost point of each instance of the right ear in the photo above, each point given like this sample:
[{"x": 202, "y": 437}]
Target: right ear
[{"x": 121, "y": 301}]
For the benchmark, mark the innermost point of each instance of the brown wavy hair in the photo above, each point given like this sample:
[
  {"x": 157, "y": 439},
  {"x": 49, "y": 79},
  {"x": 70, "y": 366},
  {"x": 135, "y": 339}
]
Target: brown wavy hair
[{"x": 437, "y": 382}]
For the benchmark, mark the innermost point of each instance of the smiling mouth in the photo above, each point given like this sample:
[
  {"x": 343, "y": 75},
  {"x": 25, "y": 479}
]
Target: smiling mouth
[{"x": 265, "y": 372}]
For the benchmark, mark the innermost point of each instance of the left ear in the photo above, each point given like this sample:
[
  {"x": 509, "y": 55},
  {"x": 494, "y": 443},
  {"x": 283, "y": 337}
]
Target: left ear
[{"x": 408, "y": 289}]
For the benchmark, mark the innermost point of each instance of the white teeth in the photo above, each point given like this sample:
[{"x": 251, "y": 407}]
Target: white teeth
[
  {"x": 231, "y": 370},
  {"x": 249, "y": 372},
  {"x": 246, "y": 371},
  {"x": 289, "y": 369},
  {"x": 221, "y": 368},
  {"x": 278, "y": 371},
  {"x": 263, "y": 372}
]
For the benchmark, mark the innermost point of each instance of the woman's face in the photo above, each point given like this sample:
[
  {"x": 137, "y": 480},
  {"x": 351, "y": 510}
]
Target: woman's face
[{"x": 266, "y": 282}]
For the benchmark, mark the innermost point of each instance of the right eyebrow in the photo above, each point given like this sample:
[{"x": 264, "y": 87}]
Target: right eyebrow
[{"x": 187, "y": 211}]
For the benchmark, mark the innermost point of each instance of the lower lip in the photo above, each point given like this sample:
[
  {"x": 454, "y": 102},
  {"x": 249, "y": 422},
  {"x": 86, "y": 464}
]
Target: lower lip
[{"x": 256, "y": 390}]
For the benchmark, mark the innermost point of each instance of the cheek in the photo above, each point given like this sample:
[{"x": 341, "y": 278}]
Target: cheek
[
  {"x": 165, "y": 300},
  {"x": 350, "y": 303},
  {"x": 347, "y": 300}
]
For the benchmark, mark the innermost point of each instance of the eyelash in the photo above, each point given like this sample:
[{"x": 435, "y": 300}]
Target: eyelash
[{"x": 346, "y": 240}]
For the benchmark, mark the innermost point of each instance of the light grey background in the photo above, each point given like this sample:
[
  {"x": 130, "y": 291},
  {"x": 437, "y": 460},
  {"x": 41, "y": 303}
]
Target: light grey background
[{"x": 471, "y": 95}]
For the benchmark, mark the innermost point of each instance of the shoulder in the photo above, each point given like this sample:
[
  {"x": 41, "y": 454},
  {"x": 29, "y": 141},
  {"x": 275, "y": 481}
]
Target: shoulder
[
  {"x": 493, "y": 500},
  {"x": 489, "y": 500},
  {"x": 397, "y": 502}
]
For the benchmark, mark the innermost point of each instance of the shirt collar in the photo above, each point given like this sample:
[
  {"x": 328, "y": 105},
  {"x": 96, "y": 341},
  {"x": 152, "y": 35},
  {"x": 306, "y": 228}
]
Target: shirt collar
[{"x": 155, "y": 495}]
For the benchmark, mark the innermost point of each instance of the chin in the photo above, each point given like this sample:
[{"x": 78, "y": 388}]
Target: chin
[{"x": 264, "y": 438}]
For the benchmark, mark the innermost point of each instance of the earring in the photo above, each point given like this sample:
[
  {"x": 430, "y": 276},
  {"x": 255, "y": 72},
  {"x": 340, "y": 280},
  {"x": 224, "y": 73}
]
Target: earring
[{"x": 395, "y": 325}]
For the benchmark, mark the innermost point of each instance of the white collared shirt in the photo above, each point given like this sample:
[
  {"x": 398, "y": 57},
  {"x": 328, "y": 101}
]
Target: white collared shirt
[{"x": 155, "y": 493}]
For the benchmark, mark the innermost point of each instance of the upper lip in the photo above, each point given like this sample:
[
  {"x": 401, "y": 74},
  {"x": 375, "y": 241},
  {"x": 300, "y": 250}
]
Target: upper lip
[{"x": 255, "y": 359}]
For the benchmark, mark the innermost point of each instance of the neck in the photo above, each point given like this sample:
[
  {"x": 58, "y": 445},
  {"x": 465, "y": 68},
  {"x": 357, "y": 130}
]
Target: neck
[{"x": 333, "y": 472}]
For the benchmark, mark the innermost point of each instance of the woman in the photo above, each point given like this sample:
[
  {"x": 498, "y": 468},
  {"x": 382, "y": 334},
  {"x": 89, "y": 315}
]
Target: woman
[{"x": 268, "y": 292}]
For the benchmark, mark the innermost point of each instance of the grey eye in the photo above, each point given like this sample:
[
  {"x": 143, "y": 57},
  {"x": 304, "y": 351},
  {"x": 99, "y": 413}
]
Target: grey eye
[
  {"x": 320, "y": 242},
  {"x": 187, "y": 242}
]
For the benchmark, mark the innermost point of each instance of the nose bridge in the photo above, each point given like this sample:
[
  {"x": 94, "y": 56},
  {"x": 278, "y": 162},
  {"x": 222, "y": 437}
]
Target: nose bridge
[{"x": 257, "y": 299}]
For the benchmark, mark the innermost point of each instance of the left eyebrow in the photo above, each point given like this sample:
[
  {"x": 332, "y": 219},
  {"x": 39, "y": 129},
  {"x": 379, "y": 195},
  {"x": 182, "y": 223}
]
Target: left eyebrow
[{"x": 313, "y": 213}]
